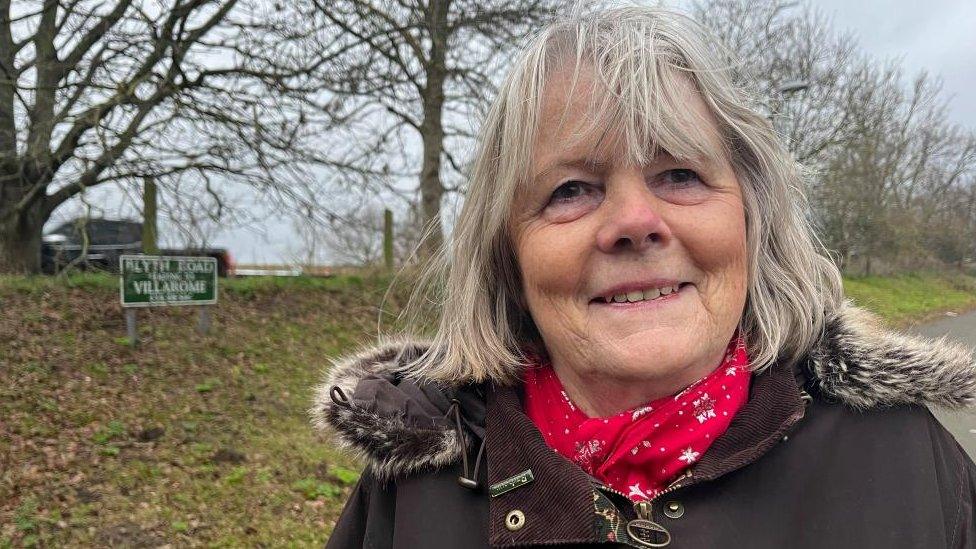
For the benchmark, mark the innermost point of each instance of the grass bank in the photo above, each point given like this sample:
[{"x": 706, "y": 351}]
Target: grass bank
[
  {"x": 909, "y": 298},
  {"x": 186, "y": 440},
  {"x": 194, "y": 440}
]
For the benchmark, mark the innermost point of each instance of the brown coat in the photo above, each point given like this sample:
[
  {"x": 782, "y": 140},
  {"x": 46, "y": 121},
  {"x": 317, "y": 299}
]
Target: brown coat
[{"x": 838, "y": 451}]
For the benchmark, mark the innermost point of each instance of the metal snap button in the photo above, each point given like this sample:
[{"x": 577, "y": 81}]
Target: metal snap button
[
  {"x": 515, "y": 520},
  {"x": 674, "y": 509}
]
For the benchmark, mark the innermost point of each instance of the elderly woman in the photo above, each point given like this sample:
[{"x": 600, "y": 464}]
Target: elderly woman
[{"x": 641, "y": 342}]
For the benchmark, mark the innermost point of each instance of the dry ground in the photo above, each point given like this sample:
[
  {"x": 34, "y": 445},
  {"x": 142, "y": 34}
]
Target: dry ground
[{"x": 186, "y": 440}]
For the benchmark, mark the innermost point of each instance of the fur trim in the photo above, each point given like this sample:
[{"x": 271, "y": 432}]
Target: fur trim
[
  {"x": 389, "y": 442},
  {"x": 857, "y": 362},
  {"x": 865, "y": 365}
]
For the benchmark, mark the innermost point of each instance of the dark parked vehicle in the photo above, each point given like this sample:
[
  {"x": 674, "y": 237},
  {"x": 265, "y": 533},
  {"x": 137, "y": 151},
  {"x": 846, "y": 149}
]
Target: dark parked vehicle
[
  {"x": 94, "y": 244},
  {"x": 107, "y": 239}
]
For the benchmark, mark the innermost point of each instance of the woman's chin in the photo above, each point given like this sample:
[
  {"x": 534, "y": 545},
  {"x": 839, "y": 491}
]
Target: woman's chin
[
  {"x": 653, "y": 360},
  {"x": 672, "y": 356}
]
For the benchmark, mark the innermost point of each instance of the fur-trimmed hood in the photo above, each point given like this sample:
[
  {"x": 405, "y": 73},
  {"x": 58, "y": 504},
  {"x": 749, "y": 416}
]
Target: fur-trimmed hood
[
  {"x": 399, "y": 426},
  {"x": 402, "y": 427}
]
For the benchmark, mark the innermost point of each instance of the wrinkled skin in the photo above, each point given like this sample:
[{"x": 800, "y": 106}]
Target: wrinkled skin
[{"x": 590, "y": 220}]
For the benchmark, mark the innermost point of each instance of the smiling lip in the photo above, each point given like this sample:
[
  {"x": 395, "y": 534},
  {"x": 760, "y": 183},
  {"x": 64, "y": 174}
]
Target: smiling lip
[{"x": 637, "y": 287}]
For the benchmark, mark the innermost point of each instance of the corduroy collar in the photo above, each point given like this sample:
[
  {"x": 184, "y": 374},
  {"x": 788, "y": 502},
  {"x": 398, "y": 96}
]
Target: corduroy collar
[{"x": 558, "y": 505}]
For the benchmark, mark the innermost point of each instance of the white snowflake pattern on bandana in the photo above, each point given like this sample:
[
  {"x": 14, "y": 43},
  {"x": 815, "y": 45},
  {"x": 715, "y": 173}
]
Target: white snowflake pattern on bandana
[
  {"x": 729, "y": 354},
  {"x": 568, "y": 400},
  {"x": 731, "y": 371},
  {"x": 587, "y": 452},
  {"x": 704, "y": 408},
  {"x": 689, "y": 456},
  {"x": 643, "y": 410},
  {"x": 643, "y": 444}
]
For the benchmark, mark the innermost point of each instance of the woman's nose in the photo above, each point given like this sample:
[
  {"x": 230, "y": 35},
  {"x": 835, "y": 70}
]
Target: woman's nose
[{"x": 633, "y": 218}]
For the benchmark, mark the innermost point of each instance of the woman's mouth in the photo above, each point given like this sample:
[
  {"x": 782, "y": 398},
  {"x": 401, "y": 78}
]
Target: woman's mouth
[{"x": 649, "y": 295}]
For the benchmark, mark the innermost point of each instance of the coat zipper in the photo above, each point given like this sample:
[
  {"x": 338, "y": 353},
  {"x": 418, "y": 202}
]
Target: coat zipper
[
  {"x": 645, "y": 512},
  {"x": 645, "y": 509},
  {"x": 673, "y": 486}
]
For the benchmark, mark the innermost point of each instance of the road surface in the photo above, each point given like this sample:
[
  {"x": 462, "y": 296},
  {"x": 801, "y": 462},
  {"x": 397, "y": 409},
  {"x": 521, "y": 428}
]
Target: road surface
[{"x": 961, "y": 328}]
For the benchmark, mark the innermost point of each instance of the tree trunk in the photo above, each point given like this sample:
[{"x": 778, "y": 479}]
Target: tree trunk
[
  {"x": 431, "y": 188},
  {"x": 20, "y": 240},
  {"x": 432, "y": 130},
  {"x": 844, "y": 253}
]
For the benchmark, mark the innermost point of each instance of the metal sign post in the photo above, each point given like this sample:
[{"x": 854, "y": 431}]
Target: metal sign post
[
  {"x": 162, "y": 281},
  {"x": 130, "y": 327},
  {"x": 203, "y": 321}
]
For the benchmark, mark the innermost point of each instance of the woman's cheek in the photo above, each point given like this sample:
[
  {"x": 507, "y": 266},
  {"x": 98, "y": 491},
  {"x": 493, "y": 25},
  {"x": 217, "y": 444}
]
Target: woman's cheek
[
  {"x": 551, "y": 258},
  {"x": 719, "y": 248}
]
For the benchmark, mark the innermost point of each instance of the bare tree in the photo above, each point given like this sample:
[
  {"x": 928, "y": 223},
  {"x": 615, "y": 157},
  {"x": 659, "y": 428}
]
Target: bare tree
[
  {"x": 98, "y": 92},
  {"x": 891, "y": 176},
  {"x": 411, "y": 76},
  {"x": 953, "y": 235},
  {"x": 355, "y": 238},
  {"x": 784, "y": 45},
  {"x": 891, "y": 192}
]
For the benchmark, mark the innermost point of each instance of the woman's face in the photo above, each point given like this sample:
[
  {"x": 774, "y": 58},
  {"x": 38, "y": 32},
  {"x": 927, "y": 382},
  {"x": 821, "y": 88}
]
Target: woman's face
[{"x": 631, "y": 273}]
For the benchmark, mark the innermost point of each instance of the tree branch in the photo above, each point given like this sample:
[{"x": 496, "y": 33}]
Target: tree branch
[{"x": 93, "y": 35}]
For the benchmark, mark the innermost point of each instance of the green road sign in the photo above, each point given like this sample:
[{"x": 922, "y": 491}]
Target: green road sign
[{"x": 150, "y": 281}]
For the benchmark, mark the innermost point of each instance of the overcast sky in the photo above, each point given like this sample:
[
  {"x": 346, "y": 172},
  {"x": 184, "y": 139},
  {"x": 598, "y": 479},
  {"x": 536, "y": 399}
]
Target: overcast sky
[{"x": 939, "y": 37}]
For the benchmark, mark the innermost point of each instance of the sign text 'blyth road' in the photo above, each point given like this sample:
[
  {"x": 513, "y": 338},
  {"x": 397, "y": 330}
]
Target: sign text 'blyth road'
[{"x": 156, "y": 280}]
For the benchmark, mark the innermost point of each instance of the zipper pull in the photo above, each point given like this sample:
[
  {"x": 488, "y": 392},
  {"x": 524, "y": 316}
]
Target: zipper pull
[
  {"x": 643, "y": 531},
  {"x": 645, "y": 510}
]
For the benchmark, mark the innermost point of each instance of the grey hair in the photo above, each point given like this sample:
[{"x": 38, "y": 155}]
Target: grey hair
[{"x": 640, "y": 56}]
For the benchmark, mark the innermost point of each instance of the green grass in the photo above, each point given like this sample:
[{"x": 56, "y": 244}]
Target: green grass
[
  {"x": 185, "y": 440},
  {"x": 249, "y": 285},
  {"x": 39, "y": 283},
  {"x": 912, "y": 297}
]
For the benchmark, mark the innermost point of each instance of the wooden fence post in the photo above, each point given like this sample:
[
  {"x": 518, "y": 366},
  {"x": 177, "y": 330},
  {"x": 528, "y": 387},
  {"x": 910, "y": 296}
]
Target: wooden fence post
[
  {"x": 150, "y": 244},
  {"x": 388, "y": 239}
]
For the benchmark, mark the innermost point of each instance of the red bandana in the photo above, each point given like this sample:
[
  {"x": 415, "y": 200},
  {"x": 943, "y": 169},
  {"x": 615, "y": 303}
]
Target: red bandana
[{"x": 638, "y": 452}]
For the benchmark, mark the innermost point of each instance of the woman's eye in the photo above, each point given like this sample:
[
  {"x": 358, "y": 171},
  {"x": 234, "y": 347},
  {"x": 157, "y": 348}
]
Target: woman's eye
[
  {"x": 680, "y": 186},
  {"x": 681, "y": 178},
  {"x": 568, "y": 191},
  {"x": 571, "y": 200}
]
